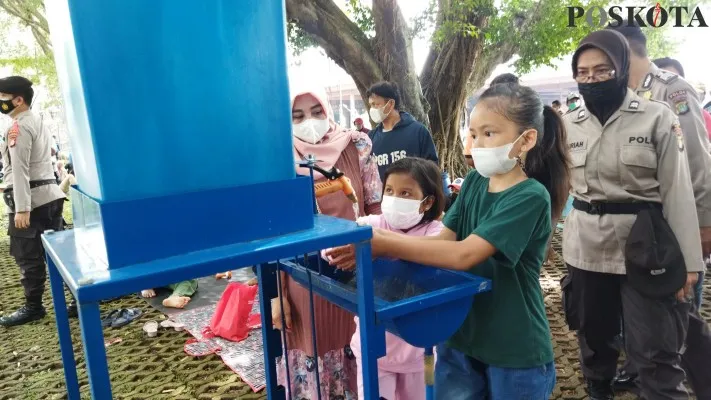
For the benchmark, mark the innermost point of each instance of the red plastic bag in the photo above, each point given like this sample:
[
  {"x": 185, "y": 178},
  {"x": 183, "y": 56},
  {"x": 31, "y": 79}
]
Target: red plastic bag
[{"x": 231, "y": 320}]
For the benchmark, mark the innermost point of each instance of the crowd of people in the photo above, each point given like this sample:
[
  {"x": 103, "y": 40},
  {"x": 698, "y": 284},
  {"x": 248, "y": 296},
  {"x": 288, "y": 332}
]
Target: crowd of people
[
  {"x": 639, "y": 171},
  {"x": 631, "y": 149}
]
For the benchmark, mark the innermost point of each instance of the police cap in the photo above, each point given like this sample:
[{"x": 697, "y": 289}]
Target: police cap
[
  {"x": 14, "y": 85},
  {"x": 572, "y": 96}
]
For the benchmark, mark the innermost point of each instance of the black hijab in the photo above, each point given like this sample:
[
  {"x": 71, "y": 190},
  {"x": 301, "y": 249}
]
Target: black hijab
[{"x": 602, "y": 99}]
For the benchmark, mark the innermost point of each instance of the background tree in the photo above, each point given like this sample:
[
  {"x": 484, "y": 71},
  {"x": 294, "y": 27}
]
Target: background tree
[
  {"x": 373, "y": 42},
  {"x": 470, "y": 39},
  {"x": 25, "y": 45}
]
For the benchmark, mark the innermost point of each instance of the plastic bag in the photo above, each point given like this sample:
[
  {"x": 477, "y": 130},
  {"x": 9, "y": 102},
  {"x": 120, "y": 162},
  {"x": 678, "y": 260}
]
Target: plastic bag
[{"x": 232, "y": 320}]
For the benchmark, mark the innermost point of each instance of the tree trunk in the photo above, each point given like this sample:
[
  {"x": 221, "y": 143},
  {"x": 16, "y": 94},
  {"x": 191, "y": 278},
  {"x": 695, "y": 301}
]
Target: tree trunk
[
  {"x": 452, "y": 68},
  {"x": 393, "y": 46},
  {"x": 445, "y": 89},
  {"x": 341, "y": 38}
]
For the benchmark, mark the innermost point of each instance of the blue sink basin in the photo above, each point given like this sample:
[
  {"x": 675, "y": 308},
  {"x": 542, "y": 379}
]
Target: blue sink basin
[{"x": 422, "y": 305}]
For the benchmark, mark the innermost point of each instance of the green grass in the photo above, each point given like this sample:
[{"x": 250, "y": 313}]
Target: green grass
[{"x": 31, "y": 366}]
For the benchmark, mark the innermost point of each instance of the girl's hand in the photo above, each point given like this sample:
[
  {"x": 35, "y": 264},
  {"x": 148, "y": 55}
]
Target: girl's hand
[
  {"x": 342, "y": 257},
  {"x": 277, "y": 311}
]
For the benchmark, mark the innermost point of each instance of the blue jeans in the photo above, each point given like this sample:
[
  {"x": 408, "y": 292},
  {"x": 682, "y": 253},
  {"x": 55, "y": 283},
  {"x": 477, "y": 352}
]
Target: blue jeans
[{"x": 459, "y": 377}]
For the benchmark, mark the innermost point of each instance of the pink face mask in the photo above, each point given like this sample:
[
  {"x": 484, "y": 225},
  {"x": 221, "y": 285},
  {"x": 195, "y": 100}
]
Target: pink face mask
[{"x": 401, "y": 213}]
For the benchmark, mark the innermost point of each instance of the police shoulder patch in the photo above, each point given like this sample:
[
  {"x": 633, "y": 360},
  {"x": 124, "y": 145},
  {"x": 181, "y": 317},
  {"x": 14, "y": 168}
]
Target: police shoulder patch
[
  {"x": 679, "y": 101},
  {"x": 666, "y": 76},
  {"x": 676, "y": 130},
  {"x": 677, "y": 94},
  {"x": 681, "y": 107}
]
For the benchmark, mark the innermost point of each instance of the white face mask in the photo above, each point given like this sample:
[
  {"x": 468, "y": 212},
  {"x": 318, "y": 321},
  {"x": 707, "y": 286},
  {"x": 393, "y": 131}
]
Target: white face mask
[
  {"x": 401, "y": 213},
  {"x": 493, "y": 161},
  {"x": 311, "y": 130},
  {"x": 378, "y": 115}
]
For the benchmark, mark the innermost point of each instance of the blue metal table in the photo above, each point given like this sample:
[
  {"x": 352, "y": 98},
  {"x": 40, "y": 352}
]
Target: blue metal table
[{"x": 91, "y": 281}]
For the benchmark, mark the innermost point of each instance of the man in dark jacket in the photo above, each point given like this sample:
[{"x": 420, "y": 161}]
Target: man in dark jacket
[{"x": 397, "y": 134}]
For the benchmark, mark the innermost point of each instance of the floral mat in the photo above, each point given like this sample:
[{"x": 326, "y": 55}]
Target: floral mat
[{"x": 245, "y": 358}]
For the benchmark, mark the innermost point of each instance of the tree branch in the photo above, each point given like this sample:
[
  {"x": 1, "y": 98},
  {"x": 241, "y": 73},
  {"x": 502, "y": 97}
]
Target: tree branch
[
  {"x": 497, "y": 53},
  {"x": 341, "y": 38},
  {"x": 32, "y": 16},
  {"x": 449, "y": 64},
  {"x": 486, "y": 63},
  {"x": 393, "y": 47},
  {"x": 42, "y": 41}
]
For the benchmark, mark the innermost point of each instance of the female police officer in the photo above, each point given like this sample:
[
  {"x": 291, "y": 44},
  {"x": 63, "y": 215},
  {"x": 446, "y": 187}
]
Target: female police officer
[{"x": 628, "y": 156}]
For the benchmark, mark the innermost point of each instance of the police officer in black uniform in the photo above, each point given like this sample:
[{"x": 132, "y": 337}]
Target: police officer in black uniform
[{"x": 33, "y": 200}]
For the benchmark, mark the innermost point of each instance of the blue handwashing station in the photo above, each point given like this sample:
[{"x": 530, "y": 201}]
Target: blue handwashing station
[{"x": 155, "y": 87}]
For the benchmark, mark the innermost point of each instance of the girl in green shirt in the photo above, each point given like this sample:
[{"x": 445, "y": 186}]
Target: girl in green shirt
[{"x": 499, "y": 228}]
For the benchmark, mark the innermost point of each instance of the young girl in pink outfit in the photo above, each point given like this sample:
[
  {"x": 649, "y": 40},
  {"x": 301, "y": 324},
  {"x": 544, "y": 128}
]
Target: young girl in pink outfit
[{"x": 413, "y": 200}]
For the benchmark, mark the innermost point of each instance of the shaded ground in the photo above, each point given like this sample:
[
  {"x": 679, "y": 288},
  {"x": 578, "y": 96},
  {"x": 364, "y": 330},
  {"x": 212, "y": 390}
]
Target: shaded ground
[{"x": 31, "y": 367}]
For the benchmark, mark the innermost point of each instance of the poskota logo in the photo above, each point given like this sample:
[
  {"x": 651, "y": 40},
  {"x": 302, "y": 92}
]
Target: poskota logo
[{"x": 655, "y": 17}]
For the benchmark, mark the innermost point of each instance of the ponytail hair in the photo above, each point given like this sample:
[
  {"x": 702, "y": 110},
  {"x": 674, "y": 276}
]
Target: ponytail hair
[{"x": 548, "y": 162}]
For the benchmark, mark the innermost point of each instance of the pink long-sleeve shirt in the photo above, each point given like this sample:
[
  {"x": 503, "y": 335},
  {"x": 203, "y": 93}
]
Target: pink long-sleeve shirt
[{"x": 400, "y": 357}]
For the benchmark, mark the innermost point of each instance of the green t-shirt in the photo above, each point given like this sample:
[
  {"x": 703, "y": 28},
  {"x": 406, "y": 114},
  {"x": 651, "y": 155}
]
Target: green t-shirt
[{"x": 506, "y": 327}]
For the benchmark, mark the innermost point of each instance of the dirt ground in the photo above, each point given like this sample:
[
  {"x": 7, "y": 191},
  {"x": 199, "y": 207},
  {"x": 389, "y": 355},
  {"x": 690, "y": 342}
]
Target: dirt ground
[{"x": 31, "y": 367}]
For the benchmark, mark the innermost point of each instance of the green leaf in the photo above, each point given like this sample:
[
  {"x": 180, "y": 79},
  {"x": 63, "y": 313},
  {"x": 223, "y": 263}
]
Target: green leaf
[
  {"x": 27, "y": 61},
  {"x": 299, "y": 41},
  {"x": 362, "y": 16}
]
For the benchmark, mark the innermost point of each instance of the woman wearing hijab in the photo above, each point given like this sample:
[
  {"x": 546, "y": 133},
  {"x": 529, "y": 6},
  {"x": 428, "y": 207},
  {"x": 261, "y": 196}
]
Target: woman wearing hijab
[
  {"x": 317, "y": 134},
  {"x": 629, "y": 167}
]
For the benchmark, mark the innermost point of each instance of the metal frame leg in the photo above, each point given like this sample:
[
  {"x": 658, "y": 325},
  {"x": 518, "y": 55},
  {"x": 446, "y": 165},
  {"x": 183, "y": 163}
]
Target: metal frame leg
[
  {"x": 56, "y": 284},
  {"x": 429, "y": 373},
  {"x": 94, "y": 350},
  {"x": 271, "y": 338},
  {"x": 372, "y": 335}
]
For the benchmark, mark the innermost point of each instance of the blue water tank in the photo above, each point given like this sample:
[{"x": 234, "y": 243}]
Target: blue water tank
[{"x": 173, "y": 96}]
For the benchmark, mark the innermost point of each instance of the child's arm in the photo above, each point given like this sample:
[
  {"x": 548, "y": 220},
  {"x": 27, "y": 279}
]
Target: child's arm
[
  {"x": 448, "y": 254},
  {"x": 344, "y": 257},
  {"x": 444, "y": 234},
  {"x": 507, "y": 232}
]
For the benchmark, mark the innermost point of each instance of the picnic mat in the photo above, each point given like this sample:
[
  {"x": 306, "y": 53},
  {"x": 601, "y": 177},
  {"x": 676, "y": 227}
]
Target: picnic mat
[
  {"x": 208, "y": 293},
  {"x": 245, "y": 358}
]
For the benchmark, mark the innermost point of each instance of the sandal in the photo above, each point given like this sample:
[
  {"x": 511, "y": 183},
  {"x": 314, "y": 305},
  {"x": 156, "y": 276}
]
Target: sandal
[
  {"x": 151, "y": 328},
  {"x": 172, "y": 324},
  {"x": 109, "y": 318},
  {"x": 125, "y": 316}
]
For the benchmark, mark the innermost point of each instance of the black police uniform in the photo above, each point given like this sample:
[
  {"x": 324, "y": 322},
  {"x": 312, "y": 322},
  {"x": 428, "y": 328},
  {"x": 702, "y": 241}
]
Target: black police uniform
[{"x": 32, "y": 188}]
